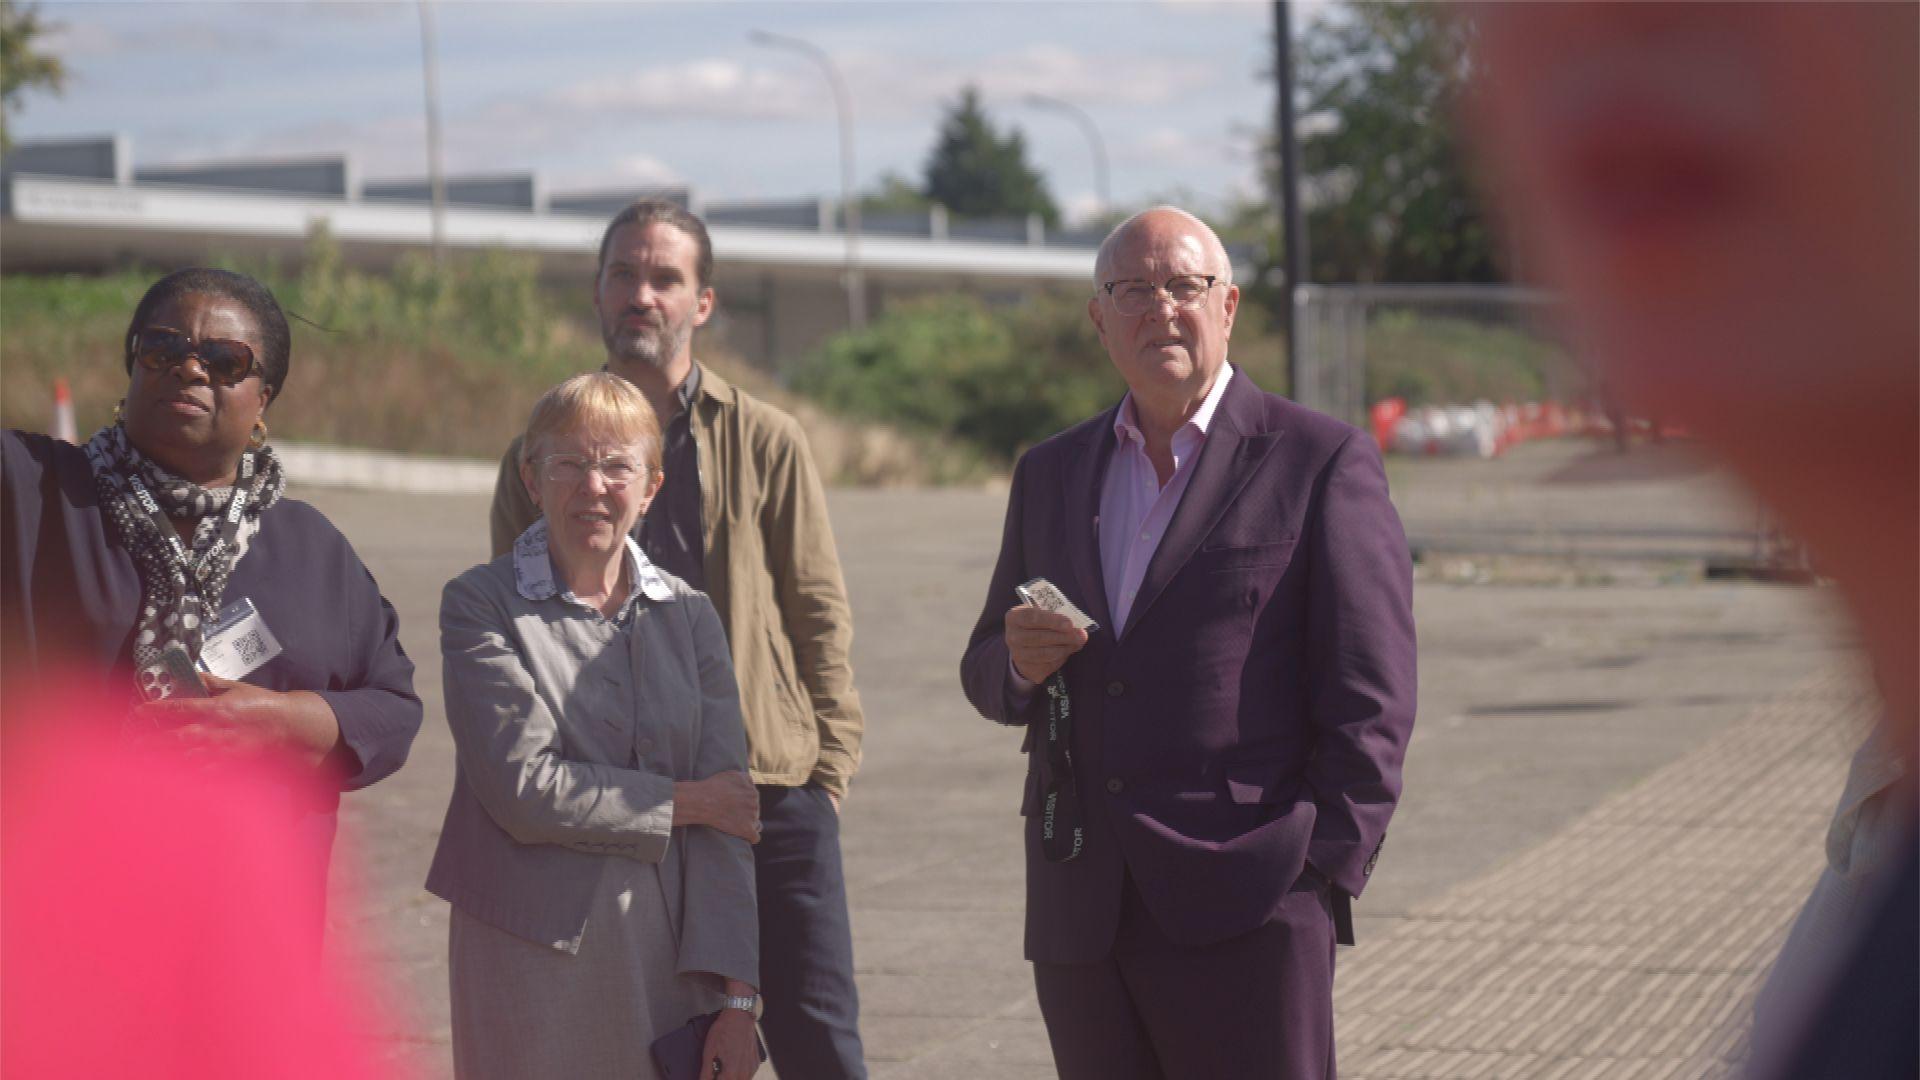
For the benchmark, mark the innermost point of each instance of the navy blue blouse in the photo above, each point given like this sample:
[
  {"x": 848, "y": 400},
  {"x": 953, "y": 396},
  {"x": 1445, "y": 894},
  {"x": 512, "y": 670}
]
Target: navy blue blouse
[{"x": 69, "y": 598}]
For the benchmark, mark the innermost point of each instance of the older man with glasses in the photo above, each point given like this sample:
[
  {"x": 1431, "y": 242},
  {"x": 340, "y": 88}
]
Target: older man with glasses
[{"x": 1217, "y": 678}]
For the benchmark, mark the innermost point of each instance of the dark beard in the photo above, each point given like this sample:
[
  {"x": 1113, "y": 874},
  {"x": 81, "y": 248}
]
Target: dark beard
[{"x": 653, "y": 347}]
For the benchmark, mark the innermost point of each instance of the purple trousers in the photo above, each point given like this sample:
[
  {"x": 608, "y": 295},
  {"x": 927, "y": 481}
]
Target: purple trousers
[{"x": 1256, "y": 1005}]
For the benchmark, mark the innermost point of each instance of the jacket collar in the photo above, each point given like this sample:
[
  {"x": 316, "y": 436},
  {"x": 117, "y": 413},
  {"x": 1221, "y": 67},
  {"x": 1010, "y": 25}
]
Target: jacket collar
[
  {"x": 713, "y": 387},
  {"x": 533, "y": 568}
]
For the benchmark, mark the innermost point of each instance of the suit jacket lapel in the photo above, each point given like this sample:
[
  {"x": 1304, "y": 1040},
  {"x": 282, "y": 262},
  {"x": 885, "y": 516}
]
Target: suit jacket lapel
[
  {"x": 1082, "y": 503},
  {"x": 1235, "y": 447}
]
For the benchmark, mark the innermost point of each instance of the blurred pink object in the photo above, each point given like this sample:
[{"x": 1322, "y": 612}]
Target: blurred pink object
[{"x": 157, "y": 923}]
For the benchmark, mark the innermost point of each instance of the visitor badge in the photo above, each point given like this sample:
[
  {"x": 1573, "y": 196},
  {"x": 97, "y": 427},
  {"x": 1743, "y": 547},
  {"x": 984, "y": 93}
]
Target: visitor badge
[
  {"x": 1047, "y": 596},
  {"x": 237, "y": 642}
]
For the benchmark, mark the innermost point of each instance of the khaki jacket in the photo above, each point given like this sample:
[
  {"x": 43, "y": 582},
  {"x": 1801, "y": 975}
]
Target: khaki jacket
[{"x": 774, "y": 576}]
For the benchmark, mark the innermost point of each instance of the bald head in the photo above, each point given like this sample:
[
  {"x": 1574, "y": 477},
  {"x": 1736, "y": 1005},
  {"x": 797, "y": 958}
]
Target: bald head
[
  {"x": 1168, "y": 349},
  {"x": 1162, "y": 223}
]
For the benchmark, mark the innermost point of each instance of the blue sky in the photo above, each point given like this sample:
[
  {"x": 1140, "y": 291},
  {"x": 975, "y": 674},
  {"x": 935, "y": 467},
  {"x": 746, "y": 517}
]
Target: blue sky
[{"x": 603, "y": 95}]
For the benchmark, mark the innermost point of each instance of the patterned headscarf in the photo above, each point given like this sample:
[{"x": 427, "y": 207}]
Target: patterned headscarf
[{"x": 177, "y": 595}]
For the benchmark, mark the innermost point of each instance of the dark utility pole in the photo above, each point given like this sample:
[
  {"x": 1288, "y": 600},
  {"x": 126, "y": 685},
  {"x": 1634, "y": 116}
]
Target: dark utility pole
[{"x": 1293, "y": 230}]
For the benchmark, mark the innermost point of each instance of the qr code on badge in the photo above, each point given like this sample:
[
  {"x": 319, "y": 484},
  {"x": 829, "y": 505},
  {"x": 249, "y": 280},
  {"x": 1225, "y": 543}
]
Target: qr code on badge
[
  {"x": 249, "y": 648},
  {"x": 1047, "y": 596}
]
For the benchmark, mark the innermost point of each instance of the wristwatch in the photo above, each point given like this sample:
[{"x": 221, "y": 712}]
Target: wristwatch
[{"x": 749, "y": 1004}]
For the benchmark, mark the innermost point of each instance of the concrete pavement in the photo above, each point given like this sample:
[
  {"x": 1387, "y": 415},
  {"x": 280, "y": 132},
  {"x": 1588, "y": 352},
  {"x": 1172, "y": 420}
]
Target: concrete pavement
[{"x": 1542, "y": 707}]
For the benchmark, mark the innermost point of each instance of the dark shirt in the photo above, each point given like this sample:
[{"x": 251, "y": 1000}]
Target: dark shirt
[{"x": 671, "y": 532}]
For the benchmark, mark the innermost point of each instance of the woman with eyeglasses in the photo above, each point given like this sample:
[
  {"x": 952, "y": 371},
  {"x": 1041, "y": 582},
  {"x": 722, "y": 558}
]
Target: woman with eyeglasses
[
  {"x": 595, "y": 848},
  {"x": 161, "y": 564}
]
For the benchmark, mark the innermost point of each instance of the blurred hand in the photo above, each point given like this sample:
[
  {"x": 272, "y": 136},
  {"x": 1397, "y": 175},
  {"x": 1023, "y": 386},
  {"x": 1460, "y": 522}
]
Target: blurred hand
[
  {"x": 725, "y": 801},
  {"x": 1039, "y": 642}
]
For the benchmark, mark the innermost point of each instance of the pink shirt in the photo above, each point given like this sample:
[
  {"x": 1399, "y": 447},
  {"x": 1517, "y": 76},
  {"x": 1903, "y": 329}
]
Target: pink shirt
[{"x": 1134, "y": 508}]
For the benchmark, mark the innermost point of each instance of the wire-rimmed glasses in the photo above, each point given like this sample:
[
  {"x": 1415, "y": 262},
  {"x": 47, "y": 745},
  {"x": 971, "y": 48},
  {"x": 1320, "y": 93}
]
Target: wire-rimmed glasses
[
  {"x": 616, "y": 470},
  {"x": 1135, "y": 297}
]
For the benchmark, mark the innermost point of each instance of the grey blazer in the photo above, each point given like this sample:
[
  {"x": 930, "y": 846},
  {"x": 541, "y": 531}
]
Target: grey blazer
[{"x": 567, "y": 757}]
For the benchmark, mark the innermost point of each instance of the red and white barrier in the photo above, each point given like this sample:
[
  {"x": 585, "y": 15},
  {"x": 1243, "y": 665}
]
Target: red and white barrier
[
  {"x": 1481, "y": 430},
  {"x": 63, "y": 428}
]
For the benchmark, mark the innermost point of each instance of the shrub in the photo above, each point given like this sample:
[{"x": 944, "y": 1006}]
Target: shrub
[
  {"x": 998, "y": 378},
  {"x": 946, "y": 364},
  {"x": 1439, "y": 360}
]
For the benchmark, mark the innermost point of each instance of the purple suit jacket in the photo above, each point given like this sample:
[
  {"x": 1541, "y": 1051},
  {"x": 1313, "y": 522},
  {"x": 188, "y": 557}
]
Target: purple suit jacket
[{"x": 1254, "y": 714}]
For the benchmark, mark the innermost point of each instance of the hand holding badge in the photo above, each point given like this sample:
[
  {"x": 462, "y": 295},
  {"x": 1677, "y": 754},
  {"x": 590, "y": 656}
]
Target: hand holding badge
[
  {"x": 1047, "y": 596},
  {"x": 1044, "y": 630}
]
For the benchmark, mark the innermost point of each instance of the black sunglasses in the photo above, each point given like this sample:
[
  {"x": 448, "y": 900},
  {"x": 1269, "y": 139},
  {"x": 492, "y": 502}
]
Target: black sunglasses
[{"x": 226, "y": 362}]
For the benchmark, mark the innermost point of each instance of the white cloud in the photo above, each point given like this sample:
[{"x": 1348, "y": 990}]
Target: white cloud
[
  {"x": 628, "y": 171},
  {"x": 1080, "y": 208},
  {"x": 893, "y": 83},
  {"x": 709, "y": 88},
  {"x": 885, "y": 86},
  {"x": 1169, "y": 144}
]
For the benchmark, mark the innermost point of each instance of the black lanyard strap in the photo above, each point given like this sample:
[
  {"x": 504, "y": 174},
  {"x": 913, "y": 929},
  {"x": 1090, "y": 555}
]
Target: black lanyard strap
[
  {"x": 192, "y": 569},
  {"x": 1062, "y": 814}
]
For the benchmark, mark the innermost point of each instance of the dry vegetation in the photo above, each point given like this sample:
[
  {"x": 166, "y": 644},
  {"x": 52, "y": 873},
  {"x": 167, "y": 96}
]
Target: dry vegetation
[{"x": 404, "y": 363}]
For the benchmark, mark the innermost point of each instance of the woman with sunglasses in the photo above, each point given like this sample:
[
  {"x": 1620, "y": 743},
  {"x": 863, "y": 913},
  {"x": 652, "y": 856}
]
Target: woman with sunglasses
[{"x": 241, "y": 624}]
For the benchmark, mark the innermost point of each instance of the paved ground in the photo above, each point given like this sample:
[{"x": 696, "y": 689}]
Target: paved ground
[
  {"x": 1631, "y": 944},
  {"x": 1581, "y": 758}
]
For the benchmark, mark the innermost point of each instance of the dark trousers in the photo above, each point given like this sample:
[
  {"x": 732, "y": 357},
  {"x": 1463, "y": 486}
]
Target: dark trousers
[
  {"x": 1257, "y": 1005},
  {"x": 812, "y": 1018}
]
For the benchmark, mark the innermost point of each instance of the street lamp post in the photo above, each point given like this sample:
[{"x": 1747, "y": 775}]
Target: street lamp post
[
  {"x": 436, "y": 175},
  {"x": 1079, "y": 116},
  {"x": 850, "y": 204}
]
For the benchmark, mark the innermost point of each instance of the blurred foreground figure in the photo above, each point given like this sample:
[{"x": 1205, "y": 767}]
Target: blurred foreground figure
[
  {"x": 158, "y": 922},
  {"x": 1727, "y": 196}
]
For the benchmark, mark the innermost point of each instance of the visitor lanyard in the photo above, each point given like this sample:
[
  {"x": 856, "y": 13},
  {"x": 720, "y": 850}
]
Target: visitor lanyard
[
  {"x": 229, "y": 528},
  {"x": 1062, "y": 815}
]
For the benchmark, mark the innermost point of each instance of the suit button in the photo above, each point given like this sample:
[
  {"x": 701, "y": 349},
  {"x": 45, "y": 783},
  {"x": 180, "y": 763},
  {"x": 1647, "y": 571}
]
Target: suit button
[
  {"x": 1115, "y": 786},
  {"x": 1116, "y": 688}
]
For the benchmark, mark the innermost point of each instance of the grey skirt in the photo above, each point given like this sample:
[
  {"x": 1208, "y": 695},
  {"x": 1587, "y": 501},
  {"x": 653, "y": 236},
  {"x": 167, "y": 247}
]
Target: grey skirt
[{"x": 523, "y": 1010}]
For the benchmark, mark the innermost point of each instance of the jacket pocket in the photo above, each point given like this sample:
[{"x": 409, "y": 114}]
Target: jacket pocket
[
  {"x": 1245, "y": 556},
  {"x": 1260, "y": 783},
  {"x": 788, "y": 693}
]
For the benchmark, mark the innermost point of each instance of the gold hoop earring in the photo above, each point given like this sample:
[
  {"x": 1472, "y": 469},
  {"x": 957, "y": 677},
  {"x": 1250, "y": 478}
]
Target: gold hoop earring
[
  {"x": 259, "y": 437},
  {"x": 118, "y": 407}
]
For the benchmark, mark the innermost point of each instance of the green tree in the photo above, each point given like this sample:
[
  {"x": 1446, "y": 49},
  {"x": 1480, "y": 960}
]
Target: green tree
[
  {"x": 23, "y": 66},
  {"x": 896, "y": 195},
  {"x": 975, "y": 171},
  {"x": 1383, "y": 165}
]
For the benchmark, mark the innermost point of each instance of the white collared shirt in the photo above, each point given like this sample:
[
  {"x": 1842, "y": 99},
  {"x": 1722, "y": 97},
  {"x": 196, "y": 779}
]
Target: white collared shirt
[{"x": 535, "y": 579}]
